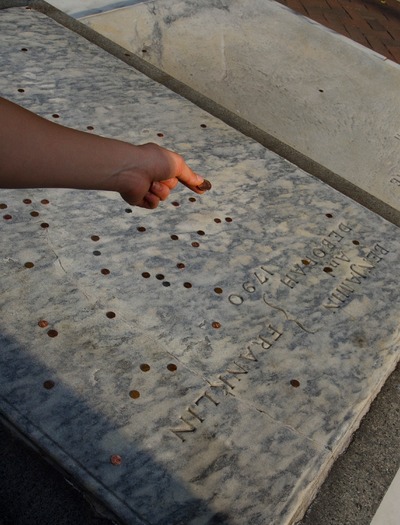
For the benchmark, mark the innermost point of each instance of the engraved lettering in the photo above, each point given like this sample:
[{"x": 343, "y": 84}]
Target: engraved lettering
[
  {"x": 334, "y": 263},
  {"x": 345, "y": 290},
  {"x": 265, "y": 270},
  {"x": 378, "y": 248},
  {"x": 358, "y": 273},
  {"x": 217, "y": 385},
  {"x": 261, "y": 342},
  {"x": 235, "y": 299},
  {"x": 342, "y": 257},
  {"x": 395, "y": 180},
  {"x": 354, "y": 279},
  {"x": 372, "y": 255},
  {"x": 182, "y": 429},
  {"x": 327, "y": 243},
  {"x": 318, "y": 252},
  {"x": 338, "y": 298},
  {"x": 264, "y": 344},
  {"x": 298, "y": 269},
  {"x": 311, "y": 262},
  {"x": 344, "y": 228},
  {"x": 262, "y": 278},
  {"x": 249, "y": 355},
  {"x": 291, "y": 283},
  {"x": 250, "y": 288},
  {"x": 336, "y": 236},
  {"x": 191, "y": 411},
  {"x": 375, "y": 254},
  {"x": 276, "y": 334},
  {"x": 225, "y": 380},
  {"x": 236, "y": 371},
  {"x": 355, "y": 270},
  {"x": 206, "y": 395},
  {"x": 331, "y": 304}
]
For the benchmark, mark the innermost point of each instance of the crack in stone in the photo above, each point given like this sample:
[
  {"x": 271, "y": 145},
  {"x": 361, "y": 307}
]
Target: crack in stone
[
  {"x": 286, "y": 425},
  {"x": 60, "y": 263},
  {"x": 299, "y": 324},
  {"x": 69, "y": 279}
]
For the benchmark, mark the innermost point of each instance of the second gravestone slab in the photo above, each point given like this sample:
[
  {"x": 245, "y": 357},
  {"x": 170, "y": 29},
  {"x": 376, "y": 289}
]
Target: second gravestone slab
[{"x": 205, "y": 362}]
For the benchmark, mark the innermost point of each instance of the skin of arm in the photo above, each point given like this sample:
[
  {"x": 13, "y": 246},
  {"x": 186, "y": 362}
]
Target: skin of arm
[{"x": 37, "y": 153}]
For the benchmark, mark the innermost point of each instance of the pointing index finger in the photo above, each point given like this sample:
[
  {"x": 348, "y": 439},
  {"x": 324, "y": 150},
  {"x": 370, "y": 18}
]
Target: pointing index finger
[
  {"x": 193, "y": 181},
  {"x": 189, "y": 178},
  {"x": 198, "y": 188}
]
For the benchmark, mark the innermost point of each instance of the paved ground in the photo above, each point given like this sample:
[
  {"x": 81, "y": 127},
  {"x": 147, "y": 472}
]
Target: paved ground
[
  {"x": 372, "y": 23},
  {"x": 32, "y": 492}
]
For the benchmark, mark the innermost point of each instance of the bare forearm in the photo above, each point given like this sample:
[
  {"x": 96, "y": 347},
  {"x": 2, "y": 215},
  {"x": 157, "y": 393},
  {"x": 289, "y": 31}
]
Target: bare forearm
[{"x": 36, "y": 153}]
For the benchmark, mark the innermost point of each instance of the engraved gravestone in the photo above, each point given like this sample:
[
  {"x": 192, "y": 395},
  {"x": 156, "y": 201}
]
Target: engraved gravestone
[{"x": 202, "y": 363}]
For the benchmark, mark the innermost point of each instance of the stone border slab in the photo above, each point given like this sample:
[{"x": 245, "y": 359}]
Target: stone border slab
[{"x": 388, "y": 510}]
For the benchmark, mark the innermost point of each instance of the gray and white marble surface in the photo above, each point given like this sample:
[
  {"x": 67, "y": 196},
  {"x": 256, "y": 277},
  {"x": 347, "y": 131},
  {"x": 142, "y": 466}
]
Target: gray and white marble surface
[{"x": 221, "y": 387}]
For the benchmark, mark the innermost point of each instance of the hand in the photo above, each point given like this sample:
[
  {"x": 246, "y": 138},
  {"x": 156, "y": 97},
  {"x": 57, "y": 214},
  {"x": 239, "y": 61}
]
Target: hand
[
  {"x": 156, "y": 171},
  {"x": 37, "y": 153}
]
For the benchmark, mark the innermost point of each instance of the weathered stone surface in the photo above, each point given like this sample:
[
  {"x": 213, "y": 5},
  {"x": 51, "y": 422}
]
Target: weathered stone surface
[{"x": 263, "y": 351}]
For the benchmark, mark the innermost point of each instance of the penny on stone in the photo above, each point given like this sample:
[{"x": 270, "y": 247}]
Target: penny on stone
[
  {"x": 115, "y": 459},
  {"x": 205, "y": 185}
]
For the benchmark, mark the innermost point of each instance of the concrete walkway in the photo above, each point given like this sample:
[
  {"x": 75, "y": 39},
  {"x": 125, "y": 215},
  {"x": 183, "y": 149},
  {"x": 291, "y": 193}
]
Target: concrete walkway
[{"x": 372, "y": 23}]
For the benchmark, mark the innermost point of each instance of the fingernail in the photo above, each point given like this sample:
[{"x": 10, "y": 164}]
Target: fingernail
[{"x": 205, "y": 185}]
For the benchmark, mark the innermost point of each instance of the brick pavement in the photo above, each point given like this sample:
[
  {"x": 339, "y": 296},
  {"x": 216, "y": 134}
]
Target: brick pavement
[{"x": 372, "y": 23}]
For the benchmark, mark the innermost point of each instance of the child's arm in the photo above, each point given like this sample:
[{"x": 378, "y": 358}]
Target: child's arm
[{"x": 35, "y": 152}]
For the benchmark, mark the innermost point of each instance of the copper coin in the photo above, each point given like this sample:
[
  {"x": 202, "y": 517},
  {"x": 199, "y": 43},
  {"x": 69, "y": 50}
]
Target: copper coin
[
  {"x": 205, "y": 185},
  {"x": 115, "y": 459}
]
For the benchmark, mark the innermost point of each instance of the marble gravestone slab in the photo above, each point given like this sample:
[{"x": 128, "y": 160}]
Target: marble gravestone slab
[
  {"x": 326, "y": 97},
  {"x": 202, "y": 363}
]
